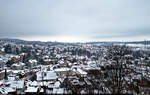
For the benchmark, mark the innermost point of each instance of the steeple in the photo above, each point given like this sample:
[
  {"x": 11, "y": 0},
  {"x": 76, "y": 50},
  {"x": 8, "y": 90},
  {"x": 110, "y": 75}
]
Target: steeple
[{"x": 6, "y": 74}]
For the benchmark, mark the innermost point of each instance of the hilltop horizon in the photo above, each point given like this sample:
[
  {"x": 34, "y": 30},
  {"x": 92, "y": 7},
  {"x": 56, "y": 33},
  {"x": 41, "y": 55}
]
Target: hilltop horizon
[{"x": 128, "y": 42}]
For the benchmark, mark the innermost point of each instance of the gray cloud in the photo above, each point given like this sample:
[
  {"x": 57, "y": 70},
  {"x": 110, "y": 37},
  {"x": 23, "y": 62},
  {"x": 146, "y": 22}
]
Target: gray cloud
[{"x": 89, "y": 19}]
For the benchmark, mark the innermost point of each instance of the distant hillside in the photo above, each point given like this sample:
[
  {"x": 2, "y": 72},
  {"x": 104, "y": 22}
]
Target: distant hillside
[
  {"x": 30, "y": 42},
  {"x": 132, "y": 42},
  {"x": 49, "y": 42},
  {"x": 19, "y": 41}
]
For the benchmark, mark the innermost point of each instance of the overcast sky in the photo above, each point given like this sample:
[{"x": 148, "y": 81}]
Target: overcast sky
[{"x": 75, "y": 20}]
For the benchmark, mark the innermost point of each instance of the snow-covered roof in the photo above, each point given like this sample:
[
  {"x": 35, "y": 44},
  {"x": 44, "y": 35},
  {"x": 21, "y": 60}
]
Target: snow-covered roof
[
  {"x": 42, "y": 90},
  {"x": 22, "y": 63},
  {"x": 33, "y": 61},
  {"x": 58, "y": 56},
  {"x": 49, "y": 75},
  {"x": 57, "y": 84},
  {"x": 83, "y": 92},
  {"x": 2, "y": 82},
  {"x": 61, "y": 62},
  {"x": 31, "y": 89},
  {"x": 11, "y": 78},
  {"x": 34, "y": 83},
  {"x": 17, "y": 65},
  {"x": 17, "y": 71},
  {"x": 17, "y": 84},
  {"x": 47, "y": 60},
  {"x": 7, "y": 71},
  {"x": 80, "y": 71},
  {"x": 6, "y": 90},
  {"x": 58, "y": 91},
  {"x": 61, "y": 69},
  {"x": 1, "y": 59}
]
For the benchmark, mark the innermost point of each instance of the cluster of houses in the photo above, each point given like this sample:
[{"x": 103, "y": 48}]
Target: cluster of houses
[{"x": 73, "y": 69}]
